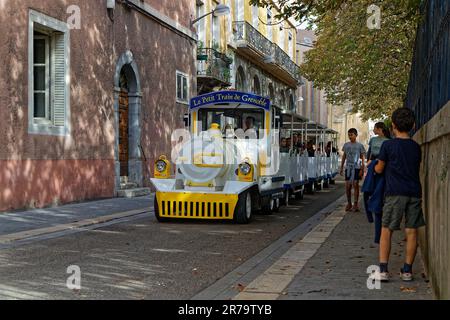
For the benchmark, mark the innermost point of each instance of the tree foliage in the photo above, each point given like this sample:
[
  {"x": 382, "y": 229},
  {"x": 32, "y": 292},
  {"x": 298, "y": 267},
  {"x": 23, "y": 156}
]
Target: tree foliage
[{"x": 351, "y": 62}]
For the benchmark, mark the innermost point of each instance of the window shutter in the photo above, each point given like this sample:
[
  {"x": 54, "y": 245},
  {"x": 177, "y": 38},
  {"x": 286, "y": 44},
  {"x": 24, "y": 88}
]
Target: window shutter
[{"x": 59, "y": 81}]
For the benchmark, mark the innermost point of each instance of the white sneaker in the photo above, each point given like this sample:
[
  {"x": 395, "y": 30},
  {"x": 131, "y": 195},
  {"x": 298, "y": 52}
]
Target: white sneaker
[{"x": 406, "y": 276}]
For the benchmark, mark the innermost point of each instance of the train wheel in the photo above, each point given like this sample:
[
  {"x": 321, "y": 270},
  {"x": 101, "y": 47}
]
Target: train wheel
[
  {"x": 277, "y": 204},
  {"x": 319, "y": 185},
  {"x": 243, "y": 211},
  {"x": 268, "y": 205},
  {"x": 299, "y": 194},
  {"x": 326, "y": 183},
  {"x": 287, "y": 196},
  {"x": 311, "y": 188},
  {"x": 158, "y": 217}
]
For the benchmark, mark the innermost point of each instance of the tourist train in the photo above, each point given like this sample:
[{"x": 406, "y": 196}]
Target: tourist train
[{"x": 240, "y": 155}]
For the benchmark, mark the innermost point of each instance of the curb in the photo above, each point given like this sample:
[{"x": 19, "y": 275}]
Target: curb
[
  {"x": 270, "y": 285},
  {"x": 225, "y": 288}
]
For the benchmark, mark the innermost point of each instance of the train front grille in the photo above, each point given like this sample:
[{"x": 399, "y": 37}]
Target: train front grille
[{"x": 196, "y": 206}]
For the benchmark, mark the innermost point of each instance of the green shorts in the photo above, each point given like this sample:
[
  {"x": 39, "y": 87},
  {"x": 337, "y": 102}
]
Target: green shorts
[{"x": 396, "y": 206}]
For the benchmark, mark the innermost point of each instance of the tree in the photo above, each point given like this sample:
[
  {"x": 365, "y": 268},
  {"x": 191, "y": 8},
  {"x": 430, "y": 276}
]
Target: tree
[{"x": 352, "y": 62}]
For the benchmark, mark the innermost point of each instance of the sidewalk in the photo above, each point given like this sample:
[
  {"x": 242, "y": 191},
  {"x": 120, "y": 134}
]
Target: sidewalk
[
  {"x": 331, "y": 262},
  {"x": 80, "y": 214}
]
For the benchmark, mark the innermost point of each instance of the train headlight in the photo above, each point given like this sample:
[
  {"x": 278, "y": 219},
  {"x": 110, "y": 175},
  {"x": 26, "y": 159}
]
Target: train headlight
[
  {"x": 161, "y": 166},
  {"x": 245, "y": 168}
]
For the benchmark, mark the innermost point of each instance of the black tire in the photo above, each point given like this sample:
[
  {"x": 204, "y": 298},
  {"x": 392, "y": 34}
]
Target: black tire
[
  {"x": 319, "y": 185},
  {"x": 299, "y": 194},
  {"x": 242, "y": 212},
  {"x": 311, "y": 188},
  {"x": 267, "y": 206},
  {"x": 326, "y": 183},
  {"x": 277, "y": 204},
  {"x": 158, "y": 217},
  {"x": 332, "y": 181},
  {"x": 287, "y": 196}
]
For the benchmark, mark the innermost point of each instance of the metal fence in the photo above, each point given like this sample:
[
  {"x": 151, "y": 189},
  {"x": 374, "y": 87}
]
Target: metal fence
[{"x": 429, "y": 86}]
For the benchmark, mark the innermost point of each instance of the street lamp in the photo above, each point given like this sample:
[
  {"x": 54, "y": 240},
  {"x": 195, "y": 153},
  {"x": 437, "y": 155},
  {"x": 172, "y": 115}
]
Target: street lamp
[{"x": 220, "y": 10}]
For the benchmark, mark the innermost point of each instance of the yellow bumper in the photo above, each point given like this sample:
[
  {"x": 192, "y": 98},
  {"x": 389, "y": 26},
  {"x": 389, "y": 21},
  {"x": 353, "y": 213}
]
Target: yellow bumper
[{"x": 196, "y": 205}]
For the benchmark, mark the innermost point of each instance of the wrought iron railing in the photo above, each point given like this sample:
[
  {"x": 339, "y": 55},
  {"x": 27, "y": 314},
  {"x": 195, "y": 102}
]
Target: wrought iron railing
[
  {"x": 212, "y": 63},
  {"x": 428, "y": 89},
  {"x": 245, "y": 32}
]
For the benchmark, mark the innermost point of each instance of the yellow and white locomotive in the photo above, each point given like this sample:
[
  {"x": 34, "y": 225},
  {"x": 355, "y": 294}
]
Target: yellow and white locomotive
[{"x": 228, "y": 163}]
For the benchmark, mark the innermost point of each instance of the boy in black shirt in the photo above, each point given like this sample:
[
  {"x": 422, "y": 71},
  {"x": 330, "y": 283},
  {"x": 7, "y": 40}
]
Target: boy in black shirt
[{"x": 400, "y": 160}]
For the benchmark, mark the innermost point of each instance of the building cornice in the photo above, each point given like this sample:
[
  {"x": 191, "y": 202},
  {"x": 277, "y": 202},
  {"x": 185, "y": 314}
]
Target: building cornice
[{"x": 164, "y": 20}]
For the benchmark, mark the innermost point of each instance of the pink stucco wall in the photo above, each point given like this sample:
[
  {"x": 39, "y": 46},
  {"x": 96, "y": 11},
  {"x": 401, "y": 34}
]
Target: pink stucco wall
[{"x": 95, "y": 49}]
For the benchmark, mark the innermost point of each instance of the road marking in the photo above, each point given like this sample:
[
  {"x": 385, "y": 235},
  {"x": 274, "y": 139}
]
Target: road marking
[
  {"x": 5, "y": 239},
  {"x": 272, "y": 283}
]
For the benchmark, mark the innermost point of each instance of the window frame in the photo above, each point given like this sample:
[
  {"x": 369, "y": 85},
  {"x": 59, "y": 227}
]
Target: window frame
[
  {"x": 45, "y": 24},
  {"x": 183, "y": 76},
  {"x": 47, "y": 118}
]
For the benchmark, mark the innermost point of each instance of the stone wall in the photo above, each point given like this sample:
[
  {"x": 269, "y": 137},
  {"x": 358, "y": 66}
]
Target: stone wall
[{"x": 434, "y": 138}]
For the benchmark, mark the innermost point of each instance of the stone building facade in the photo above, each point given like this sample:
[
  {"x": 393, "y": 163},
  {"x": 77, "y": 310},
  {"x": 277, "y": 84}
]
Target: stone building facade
[
  {"x": 261, "y": 52},
  {"x": 90, "y": 94}
]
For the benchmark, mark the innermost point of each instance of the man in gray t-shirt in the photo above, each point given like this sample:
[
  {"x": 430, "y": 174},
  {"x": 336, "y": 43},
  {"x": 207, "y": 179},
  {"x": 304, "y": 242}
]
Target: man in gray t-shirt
[{"x": 353, "y": 158}]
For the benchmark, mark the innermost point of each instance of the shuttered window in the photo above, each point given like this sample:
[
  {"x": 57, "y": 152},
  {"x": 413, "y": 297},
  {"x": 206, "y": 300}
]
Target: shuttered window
[
  {"x": 49, "y": 76},
  {"x": 59, "y": 81},
  {"x": 182, "y": 88}
]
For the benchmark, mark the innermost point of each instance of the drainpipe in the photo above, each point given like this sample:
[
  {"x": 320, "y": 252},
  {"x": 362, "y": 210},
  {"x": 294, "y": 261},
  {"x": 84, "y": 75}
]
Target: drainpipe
[{"x": 110, "y": 6}]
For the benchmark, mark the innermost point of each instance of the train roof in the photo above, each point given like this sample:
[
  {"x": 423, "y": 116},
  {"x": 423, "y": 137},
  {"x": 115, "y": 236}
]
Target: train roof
[
  {"x": 232, "y": 99},
  {"x": 302, "y": 123}
]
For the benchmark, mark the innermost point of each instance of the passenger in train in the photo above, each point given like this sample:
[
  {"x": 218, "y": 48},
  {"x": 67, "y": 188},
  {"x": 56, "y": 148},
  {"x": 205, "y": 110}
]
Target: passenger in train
[
  {"x": 296, "y": 143},
  {"x": 320, "y": 148},
  {"x": 228, "y": 131},
  {"x": 250, "y": 129},
  {"x": 288, "y": 143},
  {"x": 284, "y": 148},
  {"x": 310, "y": 149},
  {"x": 330, "y": 149}
]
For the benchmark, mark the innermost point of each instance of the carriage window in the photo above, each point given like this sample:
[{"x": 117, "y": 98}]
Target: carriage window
[{"x": 230, "y": 119}]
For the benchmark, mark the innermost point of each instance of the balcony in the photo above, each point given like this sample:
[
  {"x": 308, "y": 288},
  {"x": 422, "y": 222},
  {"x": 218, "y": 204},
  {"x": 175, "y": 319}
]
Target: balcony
[
  {"x": 263, "y": 52},
  {"x": 213, "y": 70}
]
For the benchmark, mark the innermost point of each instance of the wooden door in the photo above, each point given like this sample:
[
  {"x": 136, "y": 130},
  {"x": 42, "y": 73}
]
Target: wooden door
[{"x": 123, "y": 133}]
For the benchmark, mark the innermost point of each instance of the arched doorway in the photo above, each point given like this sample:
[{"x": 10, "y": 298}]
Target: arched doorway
[
  {"x": 127, "y": 107},
  {"x": 123, "y": 124}
]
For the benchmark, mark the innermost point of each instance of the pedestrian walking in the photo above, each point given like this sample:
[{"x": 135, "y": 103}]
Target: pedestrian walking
[
  {"x": 382, "y": 134},
  {"x": 400, "y": 160},
  {"x": 353, "y": 158},
  {"x": 374, "y": 184}
]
